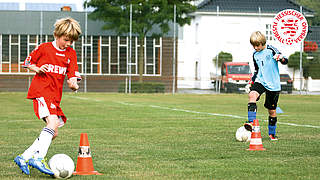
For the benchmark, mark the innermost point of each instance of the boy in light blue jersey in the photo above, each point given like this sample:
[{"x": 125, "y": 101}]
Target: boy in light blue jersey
[{"x": 266, "y": 79}]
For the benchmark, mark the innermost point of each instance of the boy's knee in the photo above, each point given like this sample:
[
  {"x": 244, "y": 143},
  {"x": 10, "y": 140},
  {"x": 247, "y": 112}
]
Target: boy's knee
[
  {"x": 253, "y": 96},
  {"x": 272, "y": 112},
  {"x": 52, "y": 121}
]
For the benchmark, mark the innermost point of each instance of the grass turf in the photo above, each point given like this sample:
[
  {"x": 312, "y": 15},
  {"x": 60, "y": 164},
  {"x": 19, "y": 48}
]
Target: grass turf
[{"x": 165, "y": 136}]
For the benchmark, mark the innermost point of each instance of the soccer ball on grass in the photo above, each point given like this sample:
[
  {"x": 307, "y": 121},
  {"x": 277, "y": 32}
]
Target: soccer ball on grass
[
  {"x": 62, "y": 166},
  {"x": 243, "y": 135}
]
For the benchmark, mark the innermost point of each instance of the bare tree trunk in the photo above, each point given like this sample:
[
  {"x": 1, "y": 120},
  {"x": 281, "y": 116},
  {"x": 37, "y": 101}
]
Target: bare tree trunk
[
  {"x": 141, "y": 59},
  {"x": 293, "y": 75}
]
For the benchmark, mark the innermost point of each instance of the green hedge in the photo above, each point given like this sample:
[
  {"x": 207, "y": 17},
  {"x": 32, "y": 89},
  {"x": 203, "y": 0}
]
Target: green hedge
[{"x": 144, "y": 87}]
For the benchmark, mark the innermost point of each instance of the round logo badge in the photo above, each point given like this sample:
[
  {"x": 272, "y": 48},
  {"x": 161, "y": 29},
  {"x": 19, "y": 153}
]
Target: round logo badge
[{"x": 289, "y": 27}]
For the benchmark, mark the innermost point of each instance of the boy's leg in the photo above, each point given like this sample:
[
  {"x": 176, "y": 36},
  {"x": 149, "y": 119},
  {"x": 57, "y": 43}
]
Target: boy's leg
[
  {"x": 271, "y": 102},
  {"x": 28, "y": 153},
  {"x": 252, "y": 114},
  {"x": 37, "y": 150},
  {"x": 272, "y": 128},
  {"x": 23, "y": 159},
  {"x": 45, "y": 139},
  {"x": 252, "y": 110}
]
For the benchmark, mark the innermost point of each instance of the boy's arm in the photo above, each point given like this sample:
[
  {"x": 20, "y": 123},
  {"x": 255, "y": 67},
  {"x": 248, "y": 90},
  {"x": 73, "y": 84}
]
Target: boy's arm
[
  {"x": 256, "y": 69},
  {"x": 73, "y": 73},
  {"x": 278, "y": 56}
]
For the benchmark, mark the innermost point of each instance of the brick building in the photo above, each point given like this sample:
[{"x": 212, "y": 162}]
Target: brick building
[{"x": 103, "y": 56}]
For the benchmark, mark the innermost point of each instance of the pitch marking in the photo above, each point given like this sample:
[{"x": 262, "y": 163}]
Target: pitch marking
[
  {"x": 216, "y": 114},
  {"x": 196, "y": 112}
]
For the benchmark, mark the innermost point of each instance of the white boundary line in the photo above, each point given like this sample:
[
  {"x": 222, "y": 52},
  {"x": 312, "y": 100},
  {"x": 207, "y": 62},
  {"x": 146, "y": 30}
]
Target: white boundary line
[{"x": 196, "y": 112}]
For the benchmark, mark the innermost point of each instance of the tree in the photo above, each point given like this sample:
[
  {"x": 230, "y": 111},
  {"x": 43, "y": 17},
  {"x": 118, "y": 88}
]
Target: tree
[
  {"x": 146, "y": 15},
  {"x": 294, "y": 62},
  {"x": 315, "y": 6},
  {"x": 222, "y": 58}
]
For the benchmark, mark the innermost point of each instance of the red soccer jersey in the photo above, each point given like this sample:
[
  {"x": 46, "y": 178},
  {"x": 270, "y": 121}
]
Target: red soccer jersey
[{"x": 60, "y": 63}]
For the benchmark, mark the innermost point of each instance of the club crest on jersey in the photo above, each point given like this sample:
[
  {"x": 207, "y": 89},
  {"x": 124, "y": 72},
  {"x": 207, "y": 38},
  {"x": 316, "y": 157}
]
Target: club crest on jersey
[{"x": 62, "y": 55}]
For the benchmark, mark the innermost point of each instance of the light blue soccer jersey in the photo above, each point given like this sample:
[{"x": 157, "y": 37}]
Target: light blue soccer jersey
[{"x": 266, "y": 68}]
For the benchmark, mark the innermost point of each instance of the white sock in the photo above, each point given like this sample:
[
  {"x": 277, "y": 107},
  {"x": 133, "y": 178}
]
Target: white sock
[
  {"x": 31, "y": 150},
  {"x": 44, "y": 142}
]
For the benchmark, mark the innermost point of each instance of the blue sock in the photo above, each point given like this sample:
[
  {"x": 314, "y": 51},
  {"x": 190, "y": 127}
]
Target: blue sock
[
  {"x": 252, "y": 116},
  {"x": 272, "y": 129},
  {"x": 272, "y": 125},
  {"x": 252, "y": 111}
]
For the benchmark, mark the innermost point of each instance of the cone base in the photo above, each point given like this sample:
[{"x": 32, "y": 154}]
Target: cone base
[
  {"x": 260, "y": 149},
  {"x": 86, "y": 173}
]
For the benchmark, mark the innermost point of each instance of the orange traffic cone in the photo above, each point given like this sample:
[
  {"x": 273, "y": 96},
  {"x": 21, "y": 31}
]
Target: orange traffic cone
[
  {"x": 84, "y": 162},
  {"x": 256, "y": 141}
]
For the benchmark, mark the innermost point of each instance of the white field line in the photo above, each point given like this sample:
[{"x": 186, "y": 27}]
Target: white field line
[
  {"x": 84, "y": 98},
  {"x": 216, "y": 114},
  {"x": 196, "y": 112}
]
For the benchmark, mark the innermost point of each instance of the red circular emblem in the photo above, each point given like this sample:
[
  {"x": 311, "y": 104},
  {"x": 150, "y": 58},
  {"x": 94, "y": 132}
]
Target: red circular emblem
[{"x": 289, "y": 27}]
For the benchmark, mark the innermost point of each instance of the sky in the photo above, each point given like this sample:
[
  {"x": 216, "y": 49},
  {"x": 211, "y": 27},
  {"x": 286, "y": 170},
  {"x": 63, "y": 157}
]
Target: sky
[{"x": 78, "y": 3}]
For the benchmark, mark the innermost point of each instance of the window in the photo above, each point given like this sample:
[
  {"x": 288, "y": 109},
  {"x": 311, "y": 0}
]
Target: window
[
  {"x": 269, "y": 34},
  {"x": 96, "y": 55},
  {"x": 153, "y": 56}
]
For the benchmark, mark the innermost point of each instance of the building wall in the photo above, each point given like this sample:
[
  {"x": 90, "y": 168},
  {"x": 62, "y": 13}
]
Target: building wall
[
  {"x": 208, "y": 35},
  {"x": 107, "y": 60}
]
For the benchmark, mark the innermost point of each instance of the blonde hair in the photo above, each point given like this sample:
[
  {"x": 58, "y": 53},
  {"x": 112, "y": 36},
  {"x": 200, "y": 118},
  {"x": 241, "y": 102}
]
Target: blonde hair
[
  {"x": 257, "y": 38},
  {"x": 67, "y": 27}
]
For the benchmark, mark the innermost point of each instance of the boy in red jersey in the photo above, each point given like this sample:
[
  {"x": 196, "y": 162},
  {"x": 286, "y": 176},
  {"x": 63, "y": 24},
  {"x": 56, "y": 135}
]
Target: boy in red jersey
[{"x": 51, "y": 61}]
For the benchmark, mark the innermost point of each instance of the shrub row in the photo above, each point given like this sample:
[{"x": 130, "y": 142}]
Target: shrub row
[{"x": 144, "y": 87}]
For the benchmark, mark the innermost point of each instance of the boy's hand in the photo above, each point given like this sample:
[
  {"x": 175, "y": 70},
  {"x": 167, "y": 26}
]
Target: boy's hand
[
  {"x": 72, "y": 83},
  {"x": 278, "y": 57},
  {"x": 42, "y": 69}
]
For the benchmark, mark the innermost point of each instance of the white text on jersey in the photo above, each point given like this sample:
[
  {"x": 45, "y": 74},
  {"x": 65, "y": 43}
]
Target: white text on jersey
[{"x": 57, "y": 69}]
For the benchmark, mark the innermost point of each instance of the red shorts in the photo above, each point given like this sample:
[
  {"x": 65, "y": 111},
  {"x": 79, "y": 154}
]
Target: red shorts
[{"x": 43, "y": 107}]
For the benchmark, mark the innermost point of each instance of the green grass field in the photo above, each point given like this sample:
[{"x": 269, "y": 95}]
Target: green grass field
[{"x": 165, "y": 136}]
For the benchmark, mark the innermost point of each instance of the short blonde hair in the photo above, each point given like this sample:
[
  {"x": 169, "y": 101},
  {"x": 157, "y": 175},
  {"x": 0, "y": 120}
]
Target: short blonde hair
[
  {"x": 67, "y": 27},
  {"x": 257, "y": 38}
]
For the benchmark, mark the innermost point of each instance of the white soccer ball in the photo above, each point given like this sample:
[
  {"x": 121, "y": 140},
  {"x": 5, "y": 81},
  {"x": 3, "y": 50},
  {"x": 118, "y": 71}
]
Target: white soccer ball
[
  {"x": 243, "y": 135},
  {"x": 62, "y": 166}
]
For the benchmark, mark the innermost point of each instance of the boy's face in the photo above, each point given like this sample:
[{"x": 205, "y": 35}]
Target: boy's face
[
  {"x": 63, "y": 42},
  {"x": 259, "y": 47}
]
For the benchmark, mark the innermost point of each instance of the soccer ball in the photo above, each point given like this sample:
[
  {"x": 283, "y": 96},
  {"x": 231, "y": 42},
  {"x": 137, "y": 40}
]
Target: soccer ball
[
  {"x": 62, "y": 166},
  {"x": 243, "y": 135}
]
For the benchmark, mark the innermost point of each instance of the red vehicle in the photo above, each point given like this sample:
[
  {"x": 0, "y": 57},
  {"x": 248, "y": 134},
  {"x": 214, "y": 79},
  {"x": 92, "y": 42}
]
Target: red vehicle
[{"x": 235, "y": 76}]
